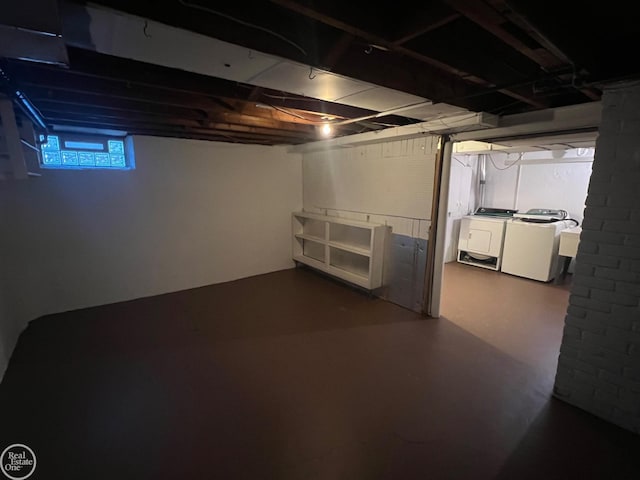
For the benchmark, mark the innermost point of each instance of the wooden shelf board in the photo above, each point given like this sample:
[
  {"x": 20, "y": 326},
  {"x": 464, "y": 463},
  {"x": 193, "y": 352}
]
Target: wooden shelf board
[
  {"x": 365, "y": 252},
  {"x": 340, "y": 220},
  {"x": 355, "y": 278},
  {"x": 312, "y": 262},
  {"x": 311, "y": 238},
  {"x": 360, "y": 275}
]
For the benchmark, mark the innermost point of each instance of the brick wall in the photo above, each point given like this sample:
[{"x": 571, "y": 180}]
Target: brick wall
[{"x": 599, "y": 364}]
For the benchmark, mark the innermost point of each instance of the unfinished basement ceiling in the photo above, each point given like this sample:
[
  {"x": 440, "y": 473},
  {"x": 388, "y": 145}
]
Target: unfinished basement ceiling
[{"x": 294, "y": 65}]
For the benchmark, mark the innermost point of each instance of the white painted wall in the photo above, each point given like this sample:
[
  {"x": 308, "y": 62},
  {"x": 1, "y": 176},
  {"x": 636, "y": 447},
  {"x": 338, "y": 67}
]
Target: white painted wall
[
  {"x": 501, "y": 187},
  {"x": 390, "y": 183},
  {"x": 461, "y": 200},
  {"x": 385, "y": 182},
  {"x": 565, "y": 187},
  {"x": 193, "y": 213},
  {"x": 555, "y": 180}
]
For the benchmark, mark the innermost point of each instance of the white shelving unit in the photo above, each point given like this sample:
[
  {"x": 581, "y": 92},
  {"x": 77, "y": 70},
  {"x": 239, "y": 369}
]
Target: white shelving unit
[{"x": 347, "y": 249}]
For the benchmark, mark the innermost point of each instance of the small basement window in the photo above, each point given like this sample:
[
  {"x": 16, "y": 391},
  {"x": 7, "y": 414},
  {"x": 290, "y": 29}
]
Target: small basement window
[{"x": 64, "y": 151}]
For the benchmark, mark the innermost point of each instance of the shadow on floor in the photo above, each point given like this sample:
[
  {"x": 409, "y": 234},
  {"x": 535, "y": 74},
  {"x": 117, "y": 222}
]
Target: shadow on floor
[
  {"x": 287, "y": 302},
  {"x": 565, "y": 442},
  {"x": 521, "y": 317}
]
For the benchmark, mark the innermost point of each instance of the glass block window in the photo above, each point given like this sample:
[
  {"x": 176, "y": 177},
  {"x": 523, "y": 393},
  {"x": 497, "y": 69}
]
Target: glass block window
[{"x": 68, "y": 151}]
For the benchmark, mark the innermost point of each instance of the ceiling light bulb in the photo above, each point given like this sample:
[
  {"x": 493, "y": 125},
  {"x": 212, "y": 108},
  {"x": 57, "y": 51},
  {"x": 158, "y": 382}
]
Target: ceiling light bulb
[{"x": 326, "y": 130}]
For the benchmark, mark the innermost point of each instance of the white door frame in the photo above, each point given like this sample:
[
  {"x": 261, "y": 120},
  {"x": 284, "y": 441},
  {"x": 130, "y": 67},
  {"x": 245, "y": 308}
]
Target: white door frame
[{"x": 533, "y": 124}]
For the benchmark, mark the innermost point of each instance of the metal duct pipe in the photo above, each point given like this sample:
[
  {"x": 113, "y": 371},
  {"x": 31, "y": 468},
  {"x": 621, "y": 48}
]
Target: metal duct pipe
[{"x": 482, "y": 179}]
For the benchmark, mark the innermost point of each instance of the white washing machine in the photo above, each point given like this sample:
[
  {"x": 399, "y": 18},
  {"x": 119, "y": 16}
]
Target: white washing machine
[
  {"x": 531, "y": 248},
  {"x": 480, "y": 241}
]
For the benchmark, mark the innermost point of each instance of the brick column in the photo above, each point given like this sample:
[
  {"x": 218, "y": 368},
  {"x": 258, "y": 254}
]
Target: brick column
[{"x": 599, "y": 363}]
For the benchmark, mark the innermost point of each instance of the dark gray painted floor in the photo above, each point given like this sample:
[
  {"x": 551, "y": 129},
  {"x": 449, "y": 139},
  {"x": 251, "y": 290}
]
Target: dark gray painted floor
[{"x": 290, "y": 376}]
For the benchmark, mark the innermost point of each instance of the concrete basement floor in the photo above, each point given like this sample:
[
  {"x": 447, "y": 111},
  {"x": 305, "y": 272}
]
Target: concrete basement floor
[
  {"x": 520, "y": 317},
  {"x": 293, "y": 376}
]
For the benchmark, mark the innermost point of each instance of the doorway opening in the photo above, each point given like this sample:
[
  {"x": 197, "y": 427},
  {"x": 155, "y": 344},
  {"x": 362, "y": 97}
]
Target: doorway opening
[{"x": 506, "y": 279}]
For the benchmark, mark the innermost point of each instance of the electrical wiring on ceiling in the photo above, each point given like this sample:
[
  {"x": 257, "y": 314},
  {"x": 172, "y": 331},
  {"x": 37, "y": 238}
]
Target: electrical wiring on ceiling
[
  {"x": 284, "y": 98},
  {"x": 508, "y": 166},
  {"x": 297, "y": 115},
  {"x": 461, "y": 163},
  {"x": 317, "y": 122},
  {"x": 242, "y": 22},
  {"x": 288, "y": 97},
  {"x": 293, "y": 114}
]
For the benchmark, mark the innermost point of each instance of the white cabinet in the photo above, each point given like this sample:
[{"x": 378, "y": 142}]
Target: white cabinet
[
  {"x": 569, "y": 241},
  {"x": 347, "y": 249}
]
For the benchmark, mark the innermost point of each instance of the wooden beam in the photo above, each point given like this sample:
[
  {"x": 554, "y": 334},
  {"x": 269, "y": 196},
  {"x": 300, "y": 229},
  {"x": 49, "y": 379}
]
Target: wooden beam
[
  {"x": 426, "y": 29},
  {"x": 216, "y": 124},
  {"x": 178, "y": 88},
  {"x": 46, "y": 97},
  {"x": 170, "y": 106},
  {"x": 114, "y": 90},
  {"x": 435, "y": 17},
  {"x": 492, "y": 21},
  {"x": 244, "y": 113},
  {"x": 266, "y": 110},
  {"x": 508, "y": 13},
  {"x": 548, "y": 56},
  {"x": 134, "y": 73},
  {"x": 525, "y": 25},
  {"x": 255, "y": 94},
  {"x": 337, "y": 51},
  {"x": 109, "y": 66},
  {"x": 429, "y": 272},
  {"x": 106, "y": 67},
  {"x": 389, "y": 45},
  {"x": 211, "y": 137},
  {"x": 177, "y": 131},
  {"x": 369, "y": 37}
]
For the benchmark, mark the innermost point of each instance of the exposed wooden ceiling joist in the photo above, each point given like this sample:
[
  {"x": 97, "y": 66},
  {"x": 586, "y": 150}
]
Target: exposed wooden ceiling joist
[
  {"x": 492, "y": 21},
  {"x": 293, "y": 129},
  {"x": 136, "y": 128},
  {"x": 507, "y": 11},
  {"x": 434, "y": 16},
  {"x": 90, "y": 70},
  {"x": 319, "y": 39},
  {"x": 338, "y": 50},
  {"x": 502, "y": 56},
  {"x": 411, "y": 34},
  {"x": 106, "y": 90},
  {"x": 524, "y": 41},
  {"x": 385, "y": 44}
]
